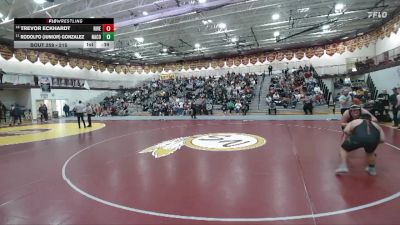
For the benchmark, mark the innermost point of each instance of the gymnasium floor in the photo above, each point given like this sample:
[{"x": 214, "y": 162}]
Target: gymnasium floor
[{"x": 201, "y": 171}]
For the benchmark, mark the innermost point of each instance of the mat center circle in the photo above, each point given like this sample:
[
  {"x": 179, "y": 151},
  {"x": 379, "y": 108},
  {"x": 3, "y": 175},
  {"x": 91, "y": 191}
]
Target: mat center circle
[{"x": 225, "y": 141}]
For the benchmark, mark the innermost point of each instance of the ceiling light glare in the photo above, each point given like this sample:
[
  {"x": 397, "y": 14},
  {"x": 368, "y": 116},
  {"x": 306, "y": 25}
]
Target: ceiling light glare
[
  {"x": 145, "y": 13},
  {"x": 275, "y": 16},
  {"x": 276, "y": 33},
  {"x": 39, "y": 1},
  {"x": 197, "y": 45},
  {"x": 221, "y": 25},
  {"x": 202, "y": 1},
  {"x": 92, "y": 17},
  {"x": 6, "y": 20},
  {"x": 137, "y": 55},
  {"x": 339, "y": 7},
  {"x": 303, "y": 10},
  {"x": 234, "y": 39},
  {"x": 139, "y": 39},
  {"x": 164, "y": 49}
]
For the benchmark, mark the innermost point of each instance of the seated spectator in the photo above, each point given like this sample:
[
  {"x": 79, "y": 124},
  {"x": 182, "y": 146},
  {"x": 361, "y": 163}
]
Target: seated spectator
[
  {"x": 268, "y": 100},
  {"x": 231, "y": 106},
  {"x": 272, "y": 108},
  {"x": 170, "y": 97},
  {"x": 370, "y": 62},
  {"x": 238, "y": 107},
  {"x": 276, "y": 96}
]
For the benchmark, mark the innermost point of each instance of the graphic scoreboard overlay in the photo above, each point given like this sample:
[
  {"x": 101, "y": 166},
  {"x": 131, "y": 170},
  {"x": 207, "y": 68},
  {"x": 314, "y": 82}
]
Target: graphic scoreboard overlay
[{"x": 65, "y": 33}]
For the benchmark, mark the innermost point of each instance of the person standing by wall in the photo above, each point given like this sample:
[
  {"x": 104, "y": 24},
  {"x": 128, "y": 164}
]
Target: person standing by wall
[
  {"x": 12, "y": 115},
  {"x": 398, "y": 105},
  {"x": 80, "y": 110},
  {"x": 45, "y": 113},
  {"x": 269, "y": 70},
  {"x": 66, "y": 110},
  {"x": 394, "y": 102},
  {"x": 17, "y": 114},
  {"x": 193, "y": 110},
  {"x": 308, "y": 105},
  {"x": 1, "y": 76},
  {"x": 89, "y": 112},
  {"x": 345, "y": 101},
  {"x": 3, "y": 111},
  {"x": 36, "y": 80},
  {"x": 41, "y": 111},
  {"x": 383, "y": 98}
]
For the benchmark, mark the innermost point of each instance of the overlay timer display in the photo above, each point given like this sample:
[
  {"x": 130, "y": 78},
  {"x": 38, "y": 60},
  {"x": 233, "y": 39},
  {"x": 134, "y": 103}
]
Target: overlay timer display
[{"x": 64, "y": 33}]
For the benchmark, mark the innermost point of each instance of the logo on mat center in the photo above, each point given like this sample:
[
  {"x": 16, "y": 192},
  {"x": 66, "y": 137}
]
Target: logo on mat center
[{"x": 208, "y": 142}]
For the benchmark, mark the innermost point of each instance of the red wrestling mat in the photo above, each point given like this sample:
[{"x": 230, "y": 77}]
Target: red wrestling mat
[{"x": 198, "y": 172}]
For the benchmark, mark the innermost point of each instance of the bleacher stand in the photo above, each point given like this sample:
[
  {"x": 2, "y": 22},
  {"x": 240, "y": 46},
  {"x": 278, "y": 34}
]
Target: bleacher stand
[{"x": 173, "y": 97}]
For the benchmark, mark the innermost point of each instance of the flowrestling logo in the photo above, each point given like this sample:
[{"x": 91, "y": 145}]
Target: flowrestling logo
[
  {"x": 379, "y": 15},
  {"x": 207, "y": 142}
]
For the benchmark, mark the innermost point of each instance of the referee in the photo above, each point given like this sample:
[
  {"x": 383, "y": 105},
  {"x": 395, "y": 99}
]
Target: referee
[{"x": 80, "y": 110}]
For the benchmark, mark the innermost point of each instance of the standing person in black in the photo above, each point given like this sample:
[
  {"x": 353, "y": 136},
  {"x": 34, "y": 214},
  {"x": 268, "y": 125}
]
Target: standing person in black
[
  {"x": 245, "y": 107},
  {"x": 41, "y": 113},
  {"x": 308, "y": 105},
  {"x": 361, "y": 133},
  {"x": 269, "y": 70},
  {"x": 44, "y": 112},
  {"x": 66, "y": 110},
  {"x": 193, "y": 109},
  {"x": 1, "y": 76},
  {"x": 395, "y": 110},
  {"x": 3, "y": 111},
  {"x": 17, "y": 114},
  {"x": 384, "y": 97},
  {"x": 383, "y": 106},
  {"x": 12, "y": 115},
  {"x": 36, "y": 80},
  {"x": 80, "y": 110}
]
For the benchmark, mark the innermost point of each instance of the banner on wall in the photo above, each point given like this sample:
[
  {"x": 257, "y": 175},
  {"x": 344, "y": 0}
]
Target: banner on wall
[
  {"x": 6, "y": 52},
  {"x": 169, "y": 76},
  {"x": 32, "y": 56},
  {"x": 86, "y": 85},
  {"x": 45, "y": 84}
]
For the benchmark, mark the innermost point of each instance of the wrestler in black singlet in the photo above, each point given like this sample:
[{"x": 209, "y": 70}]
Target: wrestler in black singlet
[{"x": 365, "y": 135}]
